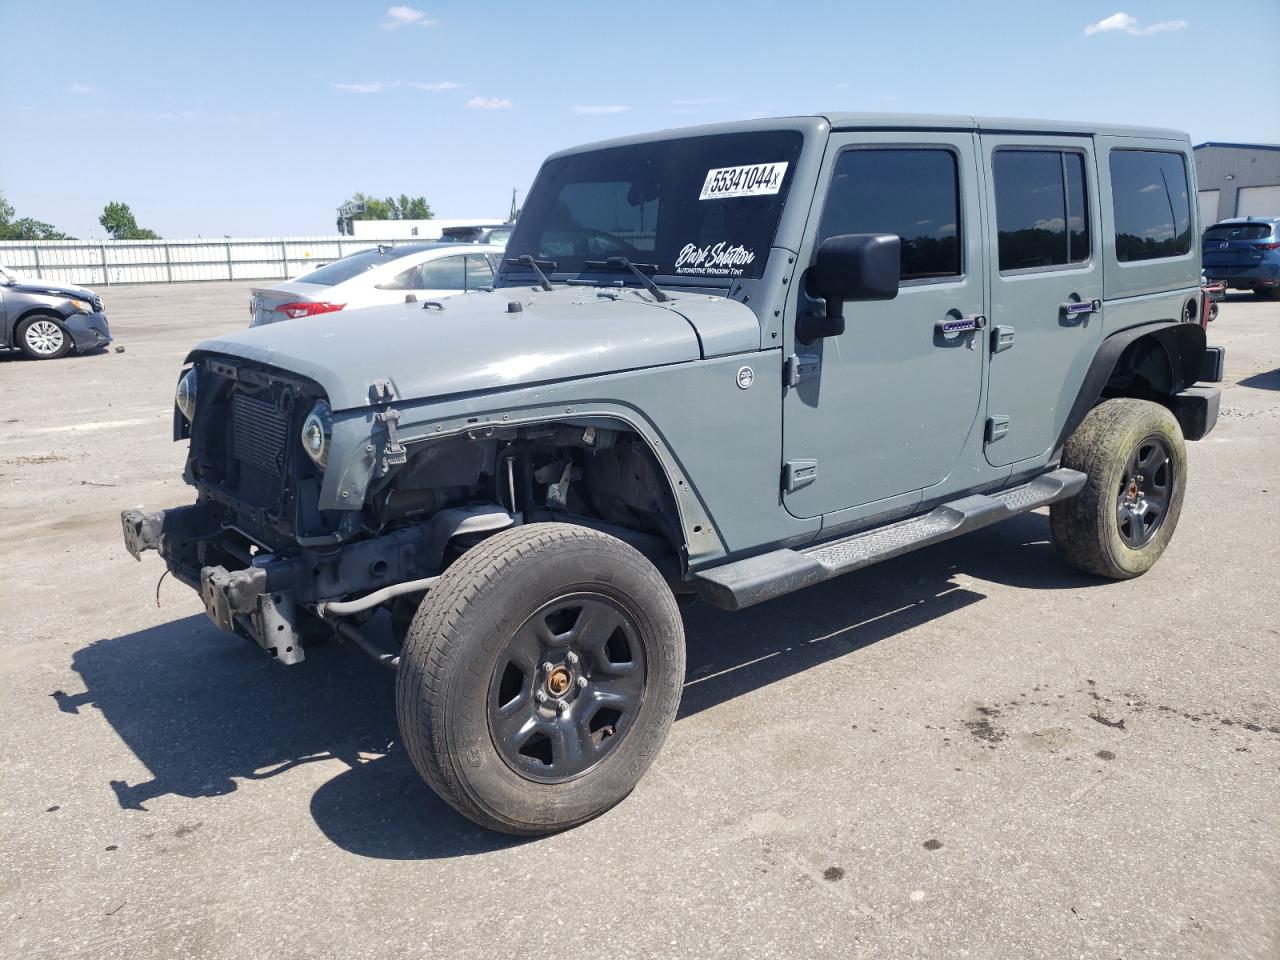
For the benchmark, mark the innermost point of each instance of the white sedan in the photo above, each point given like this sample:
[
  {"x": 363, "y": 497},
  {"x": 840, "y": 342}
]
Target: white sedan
[{"x": 383, "y": 274}]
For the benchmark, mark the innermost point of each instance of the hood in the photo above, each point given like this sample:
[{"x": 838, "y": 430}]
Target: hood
[
  {"x": 476, "y": 343},
  {"x": 41, "y": 288}
]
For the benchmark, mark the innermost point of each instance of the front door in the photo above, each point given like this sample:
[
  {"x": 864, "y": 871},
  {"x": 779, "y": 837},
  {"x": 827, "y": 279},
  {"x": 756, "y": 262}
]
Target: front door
[
  {"x": 1046, "y": 289},
  {"x": 887, "y": 407}
]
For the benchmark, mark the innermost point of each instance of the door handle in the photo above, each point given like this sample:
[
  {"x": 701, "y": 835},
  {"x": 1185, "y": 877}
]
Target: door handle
[
  {"x": 1079, "y": 308},
  {"x": 960, "y": 324}
]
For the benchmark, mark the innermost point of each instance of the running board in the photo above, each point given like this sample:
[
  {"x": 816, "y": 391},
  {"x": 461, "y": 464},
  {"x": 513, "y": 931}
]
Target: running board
[{"x": 745, "y": 583}]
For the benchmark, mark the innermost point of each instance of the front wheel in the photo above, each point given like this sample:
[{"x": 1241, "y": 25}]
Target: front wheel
[
  {"x": 43, "y": 338},
  {"x": 1120, "y": 522},
  {"x": 540, "y": 676}
]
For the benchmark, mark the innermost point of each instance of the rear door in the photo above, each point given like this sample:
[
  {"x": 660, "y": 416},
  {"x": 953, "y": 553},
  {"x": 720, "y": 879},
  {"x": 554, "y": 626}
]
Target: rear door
[
  {"x": 887, "y": 407},
  {"x": 1046, "y": 288}
]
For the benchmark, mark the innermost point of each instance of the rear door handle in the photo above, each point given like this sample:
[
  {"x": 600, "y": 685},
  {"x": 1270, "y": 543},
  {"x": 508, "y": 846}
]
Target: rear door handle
[
  {"x": 960, "y": 324},
  {"x": 1080, "y": 308}
]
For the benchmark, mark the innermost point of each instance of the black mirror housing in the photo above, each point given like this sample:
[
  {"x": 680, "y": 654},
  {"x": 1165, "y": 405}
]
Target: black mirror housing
[{"x": 851, "y": 266}]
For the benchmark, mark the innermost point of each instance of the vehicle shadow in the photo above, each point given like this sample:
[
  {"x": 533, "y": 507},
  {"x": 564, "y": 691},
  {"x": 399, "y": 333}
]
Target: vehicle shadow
[
  {"x": 204, "y": 711},
  {"x": 1263, "y": 381}
]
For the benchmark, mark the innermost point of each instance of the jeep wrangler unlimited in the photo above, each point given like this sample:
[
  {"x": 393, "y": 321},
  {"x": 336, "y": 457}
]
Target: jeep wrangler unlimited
[{"x": 727, "y": 361}]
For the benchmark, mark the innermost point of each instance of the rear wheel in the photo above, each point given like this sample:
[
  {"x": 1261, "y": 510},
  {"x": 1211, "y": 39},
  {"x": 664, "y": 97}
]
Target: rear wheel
[
  {"x": 1119, "y": 524},
  {"x": 540, "y": 676},
  {"x": 43, "y": 338}
]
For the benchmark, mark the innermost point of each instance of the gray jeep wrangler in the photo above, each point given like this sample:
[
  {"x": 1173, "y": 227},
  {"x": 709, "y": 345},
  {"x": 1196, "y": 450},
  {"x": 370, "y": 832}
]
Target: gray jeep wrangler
[{"x": 728, "y": 362}]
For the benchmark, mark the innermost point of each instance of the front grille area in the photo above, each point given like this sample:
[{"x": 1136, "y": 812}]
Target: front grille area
[{"x": 259, "y": 433}]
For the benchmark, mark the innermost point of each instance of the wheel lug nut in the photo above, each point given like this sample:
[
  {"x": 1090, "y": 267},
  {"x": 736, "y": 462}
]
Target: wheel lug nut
[
  {"x": 562, "y": 706},
  {"x": 571, "y": 658},
  {"x": 541, "y": 696},
  {"x": 546, "y": 667},
  {"x": 582, "y": 683}
]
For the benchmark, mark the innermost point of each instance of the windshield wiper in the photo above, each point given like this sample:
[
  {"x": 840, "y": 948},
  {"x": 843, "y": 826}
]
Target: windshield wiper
[
  {"x": 536, "y": 266},
  {"x": 636, "y": 269}
]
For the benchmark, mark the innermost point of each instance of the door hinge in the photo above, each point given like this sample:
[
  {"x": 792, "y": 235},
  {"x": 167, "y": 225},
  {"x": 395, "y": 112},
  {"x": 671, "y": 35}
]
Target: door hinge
[
  {"x": 997, "y": 427},
  {"x": 1001, "y": 338},
  {"x": 798, "y": 473},
  {"x": 800, "y": 367}
]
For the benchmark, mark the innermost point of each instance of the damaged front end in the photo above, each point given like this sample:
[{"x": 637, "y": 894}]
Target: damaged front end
[
  {"x": 308, "y": 521},
  {"x": 277, "y": 599}
]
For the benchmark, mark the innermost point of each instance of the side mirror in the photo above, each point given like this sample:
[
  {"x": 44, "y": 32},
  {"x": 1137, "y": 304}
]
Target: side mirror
[{"x": 852, "y": 266}]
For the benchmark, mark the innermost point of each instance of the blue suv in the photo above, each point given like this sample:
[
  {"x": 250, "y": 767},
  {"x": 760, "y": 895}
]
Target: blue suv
[{"x": 1244, "y": 253}]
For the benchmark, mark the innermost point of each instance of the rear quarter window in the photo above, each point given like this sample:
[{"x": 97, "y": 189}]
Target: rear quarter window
[{"x": 1150, "y": 199}]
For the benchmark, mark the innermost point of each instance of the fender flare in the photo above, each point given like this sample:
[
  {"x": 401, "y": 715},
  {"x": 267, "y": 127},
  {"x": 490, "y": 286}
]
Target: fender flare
[
  {"x": 702, "y": 541},
  {"x": 1184, "y": 349}
]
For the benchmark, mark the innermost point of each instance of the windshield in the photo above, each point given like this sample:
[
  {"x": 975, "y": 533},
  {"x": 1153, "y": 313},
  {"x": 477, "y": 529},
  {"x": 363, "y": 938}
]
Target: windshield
[
  {"x": 357, "y": 263},
  {"x": 1238, "y": 231},
  {"x": 703, "y": 207}
]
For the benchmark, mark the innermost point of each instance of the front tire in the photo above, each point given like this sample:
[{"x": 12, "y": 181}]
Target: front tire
[
  {"x": 1120, "y": 522},
  {"x": 540, "y": 677},
  {"x": 43, "y": 338}
]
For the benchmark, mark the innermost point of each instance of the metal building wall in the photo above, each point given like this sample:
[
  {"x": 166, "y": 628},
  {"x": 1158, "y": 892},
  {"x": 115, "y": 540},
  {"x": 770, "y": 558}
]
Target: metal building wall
[
  {"x": 106, "y": 262},
  {"x": 1247, "y": 165}
]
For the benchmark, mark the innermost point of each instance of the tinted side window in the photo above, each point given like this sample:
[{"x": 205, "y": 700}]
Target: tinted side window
[
  {"x": 447, "y": 273},
  {"x": 1042, "y": 213},
  {"x": 1153, "y": 210},
  {"x": 406, "y": 280},
  {"x": 913, "y": 193},
  {"x": 479, "y": 273}
]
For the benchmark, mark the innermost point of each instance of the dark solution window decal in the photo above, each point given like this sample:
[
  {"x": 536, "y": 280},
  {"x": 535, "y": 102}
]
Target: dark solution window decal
[
  {"x": 1042, "y": 210},
  {"x": 911, "y": 192},
  {"x": 1153, "y": 210}
]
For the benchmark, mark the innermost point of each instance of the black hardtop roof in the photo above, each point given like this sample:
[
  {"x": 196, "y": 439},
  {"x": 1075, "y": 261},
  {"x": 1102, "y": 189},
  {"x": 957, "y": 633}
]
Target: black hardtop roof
[{"x": 836, "y": 120}]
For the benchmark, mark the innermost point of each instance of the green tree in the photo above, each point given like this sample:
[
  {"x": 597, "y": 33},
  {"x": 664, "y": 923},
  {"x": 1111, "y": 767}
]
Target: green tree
[
  {"x": 403, "y": 207},
  {"x": 117, "y": 219},
  {"x": 25, "y": 228}
]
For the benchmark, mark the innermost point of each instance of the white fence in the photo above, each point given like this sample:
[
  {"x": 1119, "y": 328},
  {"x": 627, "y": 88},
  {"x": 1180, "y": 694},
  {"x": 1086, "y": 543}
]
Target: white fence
[{"x": 105, "y": 262}]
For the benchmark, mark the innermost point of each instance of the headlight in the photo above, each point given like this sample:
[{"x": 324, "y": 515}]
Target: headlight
[
  {"x": 185, "y": 397},
  {"x": 81, "y": 306},
  {"x": 315, "y": 433}
]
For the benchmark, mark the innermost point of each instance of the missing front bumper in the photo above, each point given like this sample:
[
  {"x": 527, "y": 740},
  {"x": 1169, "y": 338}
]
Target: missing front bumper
[{"x": 269, "y": 619}]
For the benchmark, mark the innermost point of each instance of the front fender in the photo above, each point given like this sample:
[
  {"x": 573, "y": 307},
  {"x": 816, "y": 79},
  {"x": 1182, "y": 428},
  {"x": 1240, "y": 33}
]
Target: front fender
[{"x": 716, "y": 442}]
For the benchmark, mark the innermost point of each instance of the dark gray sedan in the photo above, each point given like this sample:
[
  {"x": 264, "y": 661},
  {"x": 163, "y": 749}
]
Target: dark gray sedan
[{"x": 49, "y": 320}]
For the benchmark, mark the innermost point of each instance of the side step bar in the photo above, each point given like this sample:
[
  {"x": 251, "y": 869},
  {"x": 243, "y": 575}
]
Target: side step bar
[{"x": 744, "y": 583}]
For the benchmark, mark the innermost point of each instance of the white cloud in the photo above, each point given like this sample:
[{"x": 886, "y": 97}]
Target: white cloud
[
  {"x": 588, "y": 111},
  {"x": 402, "y": 16},
  {"x": 369, "y": 86},
  {"x": 436, "y": 87},
  {"x": 82, "y": 88},
  {"x": 1124, "y": 23},
  {"x": 488, "y": 103}
]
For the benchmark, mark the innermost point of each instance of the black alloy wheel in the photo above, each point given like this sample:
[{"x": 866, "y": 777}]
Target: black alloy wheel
[
  {"x": 1146, "y": 490},
  {"x": 567, "y": 686}
]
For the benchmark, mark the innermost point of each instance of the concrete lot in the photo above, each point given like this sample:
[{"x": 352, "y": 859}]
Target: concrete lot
[{"x": 971, "y": 751}]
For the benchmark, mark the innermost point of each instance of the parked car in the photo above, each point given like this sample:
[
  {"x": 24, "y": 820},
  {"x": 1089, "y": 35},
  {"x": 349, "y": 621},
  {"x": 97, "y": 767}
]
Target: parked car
[
  {"x": 383, "y": 274},
  {"x": 727, "y": 362},
  {"x": 498, "y": 233},
  {"x": 48, "y": 320},
  {"x": 1244, "y": 253}
]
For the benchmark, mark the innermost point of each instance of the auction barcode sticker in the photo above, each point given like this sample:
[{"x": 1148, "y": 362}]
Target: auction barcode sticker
[{"x": 752, "y": 180}]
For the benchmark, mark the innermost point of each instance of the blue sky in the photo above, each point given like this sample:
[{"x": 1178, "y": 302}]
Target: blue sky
[{"x": 260, "y": 118}]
